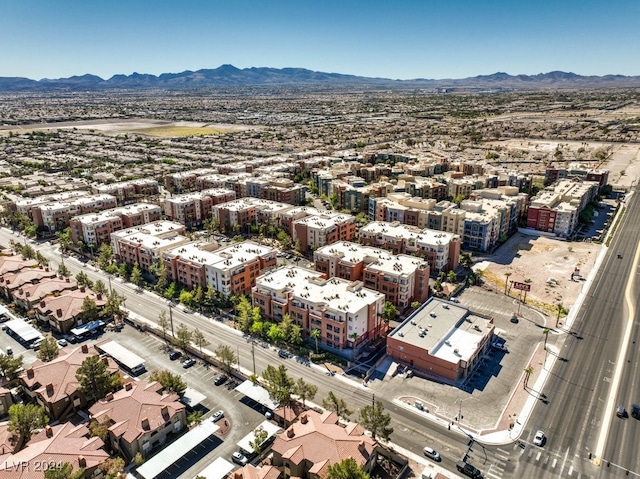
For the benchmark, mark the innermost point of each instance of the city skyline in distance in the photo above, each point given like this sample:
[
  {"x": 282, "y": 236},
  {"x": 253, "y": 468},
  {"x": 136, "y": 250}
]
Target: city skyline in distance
[{"x": 408, "y": 39}]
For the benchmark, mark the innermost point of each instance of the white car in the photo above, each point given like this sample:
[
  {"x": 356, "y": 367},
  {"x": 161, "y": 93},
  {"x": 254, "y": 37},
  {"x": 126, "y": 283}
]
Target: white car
[
  {"x": 432, "y": 453},
  {"x": 239, "y": 458},
  {"x": 539, "y": 438},
  {"x": 218, "y": 415}
]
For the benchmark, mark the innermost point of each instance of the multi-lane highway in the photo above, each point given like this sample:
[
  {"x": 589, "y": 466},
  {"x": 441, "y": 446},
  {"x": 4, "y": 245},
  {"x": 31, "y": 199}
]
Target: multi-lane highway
[{"x": 581, "y": 388}]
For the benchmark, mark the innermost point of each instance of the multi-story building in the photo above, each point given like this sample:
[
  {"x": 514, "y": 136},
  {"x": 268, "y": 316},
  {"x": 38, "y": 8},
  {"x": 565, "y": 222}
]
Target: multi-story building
[
  {"x": 140, "y": 417},
  {"x": 27, "y": 205},
  {"x": 128, "y": 192},
  {"x": 231, "y": 270},
  {"x": 347, "y": 314},
  {"x": 245, "y": 212},
  {"x": 440, "y": 249},
  {"x": 577, "y": 170},
  {"x": 556, "y": 210},
  {"x": 12, "y": 281},
  {"x": 54, "y": 386},
  {"x": 96, "y": 228},
  {"x": 441, "y": 339},
  {"x": 186, "y": 180},
  {"x": 29, "y": 295},
  {"x": 192, "y": 209},
  {"x": 143, "y": 245},
  {"x": 401, "y": 278},
  {"x": 313, "y": 232},
  {"x": 57, "y": 215},
  {"x": 65, "y": 312}
]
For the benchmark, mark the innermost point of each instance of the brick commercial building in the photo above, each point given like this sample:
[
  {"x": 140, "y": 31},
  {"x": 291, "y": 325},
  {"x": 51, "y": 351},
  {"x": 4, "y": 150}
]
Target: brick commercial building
[{"x": 441, "y": 339}]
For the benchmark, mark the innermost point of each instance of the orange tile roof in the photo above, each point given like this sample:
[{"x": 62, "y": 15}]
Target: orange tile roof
[
  {"x": 14, "y": 263},
  {"x": 18, "y": 278},
  {"x": 130, "y": 406},
  {"x": 37, "y": 291},
  {"x": 60, "y": 372},
  {"x": 58, "y": 444},
  {"x": 70, "y": 303},
  {"x": 319, "y": 439}
]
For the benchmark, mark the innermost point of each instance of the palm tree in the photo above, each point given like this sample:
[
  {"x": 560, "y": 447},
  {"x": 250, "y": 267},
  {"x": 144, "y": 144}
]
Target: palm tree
[
  {"x": 527, "y": 373},
  {"x": 315, "y": 334},
  {"x": 506, "y": 282}
]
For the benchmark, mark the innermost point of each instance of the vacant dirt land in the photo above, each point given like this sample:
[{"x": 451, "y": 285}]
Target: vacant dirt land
[{"x": 545, "y": 264}]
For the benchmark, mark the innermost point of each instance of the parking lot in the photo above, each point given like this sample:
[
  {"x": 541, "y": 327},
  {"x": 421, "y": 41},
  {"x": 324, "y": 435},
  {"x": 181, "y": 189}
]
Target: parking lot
[
  {"x": 491, "y": 384},
  {"x": 242, "y": 415}
]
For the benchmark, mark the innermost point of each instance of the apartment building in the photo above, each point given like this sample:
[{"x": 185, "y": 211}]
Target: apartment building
[
  {"x": 128, "y": 192},
  {"x": 14, "y": 280},
  {"x": 143, "y": 245},
  {"x": 577, "y": 170},
  {"x": 242, "y": 213},
  {"x": 272, "y": 188},
  {"x": 96, "y": 228},
  {"x": 26, "y": 206},
  {"x": 141, "y": 417},
  {"x": 57, "y": 215},
  {"x": 29, "y": 295},
  {"x": 54, "y": 386},
  {"x": 425, "y": 188},
  {"x": 192, "y": 209},
  {"x": 217, "y": 180},
  {"x": 557, "y": 209},
  {"x": 401, "y": 278},
  {"x": 64, "y": 312},
  {"x": 186, "y": 180},
  {"x": 231, "y": 270},
  {"x": 347, "y": 314},
  {"x": 313, "y": 232},
  {"x": 440, "y": 249}
]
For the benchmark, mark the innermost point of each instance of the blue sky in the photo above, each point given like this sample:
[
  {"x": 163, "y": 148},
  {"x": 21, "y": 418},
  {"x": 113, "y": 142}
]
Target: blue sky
[{"x": 401, "y": 39}]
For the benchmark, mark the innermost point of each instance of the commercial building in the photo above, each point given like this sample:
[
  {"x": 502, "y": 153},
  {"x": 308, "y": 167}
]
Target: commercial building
[{"x": 441, "y": 339}]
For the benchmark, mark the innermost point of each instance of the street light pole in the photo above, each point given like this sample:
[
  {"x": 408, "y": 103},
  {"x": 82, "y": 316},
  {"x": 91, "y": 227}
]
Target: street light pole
[{"x": 171, "y": 319}]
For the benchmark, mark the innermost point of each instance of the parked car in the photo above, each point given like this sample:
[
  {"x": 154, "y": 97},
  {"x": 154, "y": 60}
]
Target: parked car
[
  {"x": 432, "y": 453},
  {"x": 187, "y": 363},
  {"x": 218, "y": 415},
  {"x": 62, "y": 342},
  {"x": 239, "y": 458},
  {"x": 539, "y": 438},
  {"x": 500, "y": 347},
  {"x": 36, "y": 344},
  {"x": 221, "y": 379},
  {"x": 173, "y": 355},
  {"x": 621, "y": 411},
  {"x": 635, "y": 409}
]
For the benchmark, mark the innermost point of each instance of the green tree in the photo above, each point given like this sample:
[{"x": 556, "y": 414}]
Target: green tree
[
  {"x": 48, "y": 349},
  {"x": 24, "y": 419},
  {"x": 198, "y": 296},
  {"x": 546, "y": 332},
  {"x": 113, "y": 304},
  {"x": 389, "y": 312},
  {"x": 528, "y": 371},
  {"x": 183, "y": 337},
  {"x": 83, "y": 280},
  {"x": 170, "y": 382},
  {"x": 337, "y": 405},
  {"x": 346, "y": 469},
  {"x": 316, "y": 334},
  {"x": 415, "y": 304},
  {"x": 171, "y": 291},
  {"x": 105, "y": 255},
  {"x": 200, "y": 341},
  {"x": 100, "y": 429},
  {"x": 100, "y": 288},
  {"x": 226, "y": 356},
  {"x": 90, "y": 311},
  {"x": 195, "y": 417},
  {"x": 278, "y": 383},
  {"x": 295, "y": 335},
  {"x": 186, "y": 297},
  {"x": 164, "y": 324},
  {"x": 64, "y": 238},
  {"x": 113, "y": 467},
  {"x": 136, "y": 275},
  {"x": 245, "y": 317},
  {"x": 63, "y": 471},
  {"x": 259, "y": 437},
  {"x": 452, "y": 276},
  {"x": 10, "y": 365},
  {"x": 304, "y": 390},
  {"x": 95, "y": 378},
  {"x": 161, "y": 276},
  {"x": 275, "y": 334},
  {"x": 376, "y": 420},
  {"x": 63, "y": 270}
]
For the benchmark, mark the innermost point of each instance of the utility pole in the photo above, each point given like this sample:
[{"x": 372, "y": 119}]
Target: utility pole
[
  {"x": 238, "y": 356},
  {"x": 253, "y": 355},
  {"x": 171, "y": 319}
]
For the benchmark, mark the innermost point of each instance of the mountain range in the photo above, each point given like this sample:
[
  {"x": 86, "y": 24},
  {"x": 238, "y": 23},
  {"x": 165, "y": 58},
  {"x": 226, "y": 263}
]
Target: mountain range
[{"x": 230, "y": 76}]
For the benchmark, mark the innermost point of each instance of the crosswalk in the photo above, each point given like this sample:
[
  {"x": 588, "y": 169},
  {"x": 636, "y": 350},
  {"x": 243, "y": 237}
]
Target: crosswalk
[{"x": 506, "y": 459}]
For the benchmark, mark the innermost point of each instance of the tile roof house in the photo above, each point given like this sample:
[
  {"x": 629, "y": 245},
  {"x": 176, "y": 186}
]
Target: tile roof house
[
  {"x": 54, "y": 384},
  {"x": 58, "y": 444},
  {"x": 13, "y": 263},
  {"x": 28, "y": 295},
  {"x": 141, "y": 417},
  {"x": 252, "y": 472},
  {"x": 317, "y": 441},
  {"x": 14, "y": 280},
  {"x": 64, "y": 312}
]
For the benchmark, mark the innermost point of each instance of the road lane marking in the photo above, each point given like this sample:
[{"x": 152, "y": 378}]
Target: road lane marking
[
  {"x": 555, "y": 461},
  {"x": 570, "y": 470},
  {"x": 538, "y": 455},
  {"x": 503, "y": 457},
  {"x": 619, "y": 364}
]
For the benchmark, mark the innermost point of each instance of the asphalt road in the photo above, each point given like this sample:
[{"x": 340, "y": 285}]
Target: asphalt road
[{"x": 579, "y": 385}]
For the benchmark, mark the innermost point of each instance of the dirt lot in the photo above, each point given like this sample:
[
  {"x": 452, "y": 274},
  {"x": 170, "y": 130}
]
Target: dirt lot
[{"x": 539, "y": 261}]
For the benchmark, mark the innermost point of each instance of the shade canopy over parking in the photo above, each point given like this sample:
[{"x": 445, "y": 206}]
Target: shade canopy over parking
[{"x": 257, "y": 393}]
